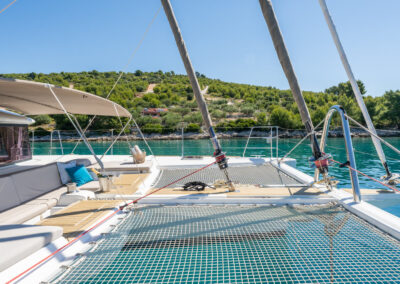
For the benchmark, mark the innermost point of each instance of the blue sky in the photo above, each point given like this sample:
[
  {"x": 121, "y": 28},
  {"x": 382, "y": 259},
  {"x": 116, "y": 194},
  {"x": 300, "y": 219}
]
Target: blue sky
[{"x": 227, "y": 39}]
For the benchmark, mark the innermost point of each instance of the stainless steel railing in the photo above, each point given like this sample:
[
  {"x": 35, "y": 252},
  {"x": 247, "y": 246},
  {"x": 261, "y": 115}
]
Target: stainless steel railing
[
  {"x": 268, "y": 139},
  {"x": 349, "y": 147}
]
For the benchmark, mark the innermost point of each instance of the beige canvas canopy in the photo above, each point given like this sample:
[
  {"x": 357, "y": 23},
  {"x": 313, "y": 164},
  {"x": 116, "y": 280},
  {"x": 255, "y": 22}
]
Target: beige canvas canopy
[{"x": 33, "y": 98}]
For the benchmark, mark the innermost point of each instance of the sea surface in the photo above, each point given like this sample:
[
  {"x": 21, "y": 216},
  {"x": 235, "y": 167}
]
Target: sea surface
[{"x": 366, "y": 157}]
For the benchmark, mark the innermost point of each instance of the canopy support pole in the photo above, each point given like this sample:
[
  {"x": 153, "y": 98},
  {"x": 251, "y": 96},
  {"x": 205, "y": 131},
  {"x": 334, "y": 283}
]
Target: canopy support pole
[
  {"x": 354, "y": 85},
  {"x": 284, "y": 59},
  {"x": 219, "y": 155},
  {"x": 119, "y": 135},
  {"x": 77, "y": 128}
]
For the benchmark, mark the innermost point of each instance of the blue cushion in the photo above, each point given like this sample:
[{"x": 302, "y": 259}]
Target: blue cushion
[
  {"x": 64, "y": 176},
  {"x": 79, "y": 174}
]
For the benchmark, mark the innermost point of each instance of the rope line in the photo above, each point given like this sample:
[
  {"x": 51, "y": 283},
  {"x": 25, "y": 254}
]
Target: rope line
[
  {"x": 374, "y": 179},
  {"x": 8, "y": 6},
  {"x": 365, "y": 153},
  {"x": 102, "y": 221},
  {"x": 301, "y": 141}
]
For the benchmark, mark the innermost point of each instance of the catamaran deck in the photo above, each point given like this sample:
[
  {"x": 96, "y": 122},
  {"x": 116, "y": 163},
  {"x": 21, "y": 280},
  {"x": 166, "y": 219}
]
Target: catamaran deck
[
  {"x": 77, "y": 217},
  {"x": 232, "y": 244},
  {"x": 267, "y": 230}
]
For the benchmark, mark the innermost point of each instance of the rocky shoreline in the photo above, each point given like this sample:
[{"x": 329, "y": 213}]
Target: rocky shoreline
[{"x": 224, "y": 135}]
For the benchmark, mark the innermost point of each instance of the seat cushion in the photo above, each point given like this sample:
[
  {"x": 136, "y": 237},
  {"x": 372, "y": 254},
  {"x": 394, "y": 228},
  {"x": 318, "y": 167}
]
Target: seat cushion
[
  {"x": 80, "y": 175},
  {"x": 50, "y": 199},
  {"x": 36, "y": 182},
  {"x": 20, "y": 241},
  {"x": 9, "y": 196},
  {"x": 64, "y": 176},
  {"x": 22, "y": 213}
]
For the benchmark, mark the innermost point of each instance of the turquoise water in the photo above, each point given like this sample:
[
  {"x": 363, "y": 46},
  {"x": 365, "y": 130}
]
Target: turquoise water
[{"x": 366, "y": 158}]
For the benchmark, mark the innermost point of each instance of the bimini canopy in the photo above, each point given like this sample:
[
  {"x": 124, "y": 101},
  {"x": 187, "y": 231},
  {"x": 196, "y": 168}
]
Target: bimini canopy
[
  {"x": 33, "y": 98},
  {"x": 11, "y": 118}
]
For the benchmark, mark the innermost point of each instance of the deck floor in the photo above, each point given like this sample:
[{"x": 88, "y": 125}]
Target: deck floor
[
  {"x": 77, "y": 217},
  {"x": 127, "y": 184}
]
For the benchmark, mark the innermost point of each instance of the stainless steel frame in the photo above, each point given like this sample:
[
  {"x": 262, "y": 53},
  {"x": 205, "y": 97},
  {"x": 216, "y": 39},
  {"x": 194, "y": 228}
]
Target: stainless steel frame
[{"x": 349, "y": 147}]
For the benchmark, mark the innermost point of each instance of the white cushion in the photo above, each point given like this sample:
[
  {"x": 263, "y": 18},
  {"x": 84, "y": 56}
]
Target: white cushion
[{"x": 65, "y": 178}]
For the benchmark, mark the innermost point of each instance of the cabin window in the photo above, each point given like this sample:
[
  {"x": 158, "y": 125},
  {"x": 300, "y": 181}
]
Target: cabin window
[{"x": 14, "y": 144}]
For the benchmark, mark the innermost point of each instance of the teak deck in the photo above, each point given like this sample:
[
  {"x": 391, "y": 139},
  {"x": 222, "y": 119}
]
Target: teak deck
[
  {"x": 77, "y": 217},
  {"x": 127, "y": 184}
]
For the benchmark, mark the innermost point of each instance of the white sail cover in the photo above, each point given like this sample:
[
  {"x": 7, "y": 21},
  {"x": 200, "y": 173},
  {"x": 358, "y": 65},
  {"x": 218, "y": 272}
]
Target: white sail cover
[{"x": 34, "y": 98}]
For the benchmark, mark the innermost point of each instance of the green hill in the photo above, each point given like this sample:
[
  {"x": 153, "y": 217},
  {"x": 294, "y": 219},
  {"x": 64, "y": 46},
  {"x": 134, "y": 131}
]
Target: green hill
[{"x": 232, "y": 106}]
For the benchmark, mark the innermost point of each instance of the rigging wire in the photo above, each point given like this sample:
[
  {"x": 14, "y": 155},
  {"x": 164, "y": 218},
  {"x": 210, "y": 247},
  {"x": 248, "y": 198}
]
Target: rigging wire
[
  {"x": 123, "y": 69},
  {"x": 301, "y": 141},
  {"x": 361, "y": 152},
  {"x": 8, "y": 6},
  {"x": 367, "y": 176}
]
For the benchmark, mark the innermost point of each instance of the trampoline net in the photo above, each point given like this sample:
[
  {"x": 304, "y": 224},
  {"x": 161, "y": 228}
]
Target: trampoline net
[
  {"x": 231, "y": 244},
  {"x": 261, "y": 175}
]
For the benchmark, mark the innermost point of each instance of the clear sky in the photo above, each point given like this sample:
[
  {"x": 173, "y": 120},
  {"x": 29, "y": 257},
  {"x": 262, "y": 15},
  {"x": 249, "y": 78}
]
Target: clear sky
[{"x": 226, "y": 39}]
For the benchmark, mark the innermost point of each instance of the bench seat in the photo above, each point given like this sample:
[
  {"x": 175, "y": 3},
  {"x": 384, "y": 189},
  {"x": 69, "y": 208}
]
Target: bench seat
[
  {"x": 31, "y": 209},
  {"x": 20, "y": 241}
]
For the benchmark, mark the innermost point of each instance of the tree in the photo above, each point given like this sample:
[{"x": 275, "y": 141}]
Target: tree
[
  {"x": 41, "y": 119},
  {"x": 346, "y": 89},
  {"x": 192, "y": 127},
  {"x": 392, "y": 107},
  {"x": 282, "y": 118}
]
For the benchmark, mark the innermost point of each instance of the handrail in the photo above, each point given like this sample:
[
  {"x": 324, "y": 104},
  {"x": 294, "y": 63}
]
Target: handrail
[
  {"x": 349, "y": 147},
  {"x": 59, "y": 140},
  {"x": 270, "y": 137}
]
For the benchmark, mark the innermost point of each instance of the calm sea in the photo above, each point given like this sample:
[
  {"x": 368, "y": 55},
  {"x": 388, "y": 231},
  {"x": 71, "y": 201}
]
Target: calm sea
[{"x": 366, "y": 157}]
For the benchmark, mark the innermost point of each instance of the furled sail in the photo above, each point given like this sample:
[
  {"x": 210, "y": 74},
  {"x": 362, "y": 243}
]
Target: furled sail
[
  {"x": 219, "y": 155},
  {"x": 280, "y": 47}
]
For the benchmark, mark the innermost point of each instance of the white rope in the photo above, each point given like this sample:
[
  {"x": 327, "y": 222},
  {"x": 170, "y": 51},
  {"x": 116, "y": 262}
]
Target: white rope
[
  {"x": 373, "y": 134},
  {"x": 115, "y": 140},
  {"x": 301, "y": 141},
  {"x": 76, "y": 126}
]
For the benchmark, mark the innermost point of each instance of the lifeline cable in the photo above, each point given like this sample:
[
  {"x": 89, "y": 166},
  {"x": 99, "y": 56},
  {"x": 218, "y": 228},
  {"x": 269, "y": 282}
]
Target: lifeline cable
[
  {"x": 101, "y": 222},
  {"x": 374, "y": 179}
]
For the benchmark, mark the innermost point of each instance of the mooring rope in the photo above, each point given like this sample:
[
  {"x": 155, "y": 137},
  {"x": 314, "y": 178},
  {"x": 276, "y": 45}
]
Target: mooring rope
[{"x": 101, "y": 222}]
